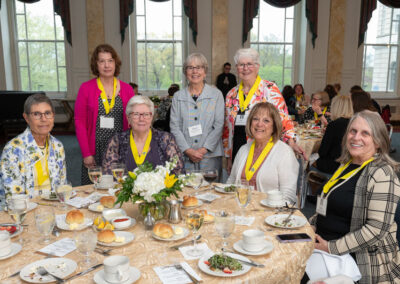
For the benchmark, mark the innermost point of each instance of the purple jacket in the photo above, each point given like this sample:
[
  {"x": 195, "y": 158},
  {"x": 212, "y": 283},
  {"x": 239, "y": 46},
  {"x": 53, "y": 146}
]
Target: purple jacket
[{"x": 86, "y": 111}]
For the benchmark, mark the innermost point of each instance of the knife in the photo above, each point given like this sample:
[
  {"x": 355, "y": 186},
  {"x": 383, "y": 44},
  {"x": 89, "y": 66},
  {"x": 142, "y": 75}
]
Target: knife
[
  {"x": 82, "y": 272},
  {"x": 250, "y": 262}
]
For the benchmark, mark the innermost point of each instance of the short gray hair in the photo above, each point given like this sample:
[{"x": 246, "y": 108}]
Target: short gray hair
[
  {"x": 37, "y": 99},
  {"x": 139, "y": 100},
  {"x": 195, "y": 57},
  {"x": 379, "y": 135},
  {"x": 247, "y": 53}
]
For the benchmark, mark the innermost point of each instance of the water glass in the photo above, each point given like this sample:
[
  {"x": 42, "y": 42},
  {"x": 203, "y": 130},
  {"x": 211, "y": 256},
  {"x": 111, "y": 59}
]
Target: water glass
[
  {"x": 194, "y": 221},
  {"x": 196, "y": 178},
  {"x": 224, "y": 225},
  {"x": 64, "y": 193},
  {"x": 17, "y": 206},
  {"x": 45, "y": 221},
  {"x": 86, "y": 241}
]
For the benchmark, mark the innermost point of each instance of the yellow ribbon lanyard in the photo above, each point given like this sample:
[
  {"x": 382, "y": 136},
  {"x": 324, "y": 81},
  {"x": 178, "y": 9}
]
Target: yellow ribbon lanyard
[
  {"x": 244, "y": 103},
  {"x": 103, "y": 95},
  {"x": 335, "y": 178},
  {"x": 43, "y": 175},
  {"x": 299, "y": 98},
  {"x": 139, "y": 159},
  {"x": 323, "y": 113},
  {"x": 250, "y": 171}
]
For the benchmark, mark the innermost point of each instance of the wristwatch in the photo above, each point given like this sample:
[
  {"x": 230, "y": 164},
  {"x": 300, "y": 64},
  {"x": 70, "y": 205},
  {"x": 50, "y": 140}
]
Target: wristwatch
[{"x": 319, "y": 115}]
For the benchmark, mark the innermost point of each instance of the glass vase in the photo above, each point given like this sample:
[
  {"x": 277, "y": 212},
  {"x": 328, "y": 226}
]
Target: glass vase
[{"x": 157, "y": 210}]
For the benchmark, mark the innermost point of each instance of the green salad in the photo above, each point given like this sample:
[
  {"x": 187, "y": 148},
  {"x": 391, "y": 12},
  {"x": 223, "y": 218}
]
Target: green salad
[
  {"x": 224, "y": 263},
  {"x": 230, "y": 188}
]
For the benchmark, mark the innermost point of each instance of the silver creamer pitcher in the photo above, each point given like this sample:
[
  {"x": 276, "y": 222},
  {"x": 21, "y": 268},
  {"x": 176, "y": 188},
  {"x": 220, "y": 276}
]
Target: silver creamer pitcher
[{"x": 174, "y": 211}]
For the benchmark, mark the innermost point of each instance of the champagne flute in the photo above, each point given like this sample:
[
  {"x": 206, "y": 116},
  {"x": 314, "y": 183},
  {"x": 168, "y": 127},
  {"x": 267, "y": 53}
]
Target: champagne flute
[
  {"x": 86, "y": 242},
  {"x": 196, "y": 178},
  {"x": 118, "y": 170},
  {"x": 194, "y": 221},
  {"x": 64, "y": 193},
  {"x": 224, "y": 225},
  {"x": 17, "y": 208},
  {"x": 95, "y": 175},
  {"x": 243, "y": 195},
  {"x": 45, "y": 220}
]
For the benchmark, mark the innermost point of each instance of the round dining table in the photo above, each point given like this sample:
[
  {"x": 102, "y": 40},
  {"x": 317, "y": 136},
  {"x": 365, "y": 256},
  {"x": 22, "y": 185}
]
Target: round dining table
[{"x": 284, "y": 264}]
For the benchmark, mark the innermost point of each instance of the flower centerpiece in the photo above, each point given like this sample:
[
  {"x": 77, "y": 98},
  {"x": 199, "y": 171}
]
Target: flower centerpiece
[{"x": 150, "y": 187}]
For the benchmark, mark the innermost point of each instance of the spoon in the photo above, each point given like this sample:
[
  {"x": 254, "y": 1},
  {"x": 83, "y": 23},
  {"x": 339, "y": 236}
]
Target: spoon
[{"x": 184, "y": 243}]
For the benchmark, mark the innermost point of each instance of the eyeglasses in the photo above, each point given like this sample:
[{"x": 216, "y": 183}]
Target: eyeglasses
[
  {"x": 38, "y": 115},
  {"x": 316, "y": 99},
  {"x": 137, "y": 115},
  {"x": 192, "y": 68},
  {"x": 103, "y": 62},
  {"x": 248, "y": 65}
]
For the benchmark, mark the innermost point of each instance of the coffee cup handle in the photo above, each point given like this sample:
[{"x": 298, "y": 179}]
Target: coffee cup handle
[{"x": 120, "y": 275}]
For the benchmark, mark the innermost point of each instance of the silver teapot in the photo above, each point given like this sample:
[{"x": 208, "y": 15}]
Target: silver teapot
[{"x": 174, "y": 215}]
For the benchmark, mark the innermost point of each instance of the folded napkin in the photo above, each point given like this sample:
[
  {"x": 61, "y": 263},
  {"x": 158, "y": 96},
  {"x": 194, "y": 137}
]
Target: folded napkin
[
  {"x": 201, "y": 246},
  {"x": 245, "y": 221},
  {"x": 171, "y": 275},
  {"x": 79, "y": 202},
  {"x": 208, "y": 196},
  {"x": 60, "y": 248},
  {"x": 322, "y": 265}
]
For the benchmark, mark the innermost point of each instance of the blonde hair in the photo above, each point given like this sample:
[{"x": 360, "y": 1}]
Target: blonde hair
[
  {"x": 325, "y": 101},
  {"x": 341, "y": 107}
]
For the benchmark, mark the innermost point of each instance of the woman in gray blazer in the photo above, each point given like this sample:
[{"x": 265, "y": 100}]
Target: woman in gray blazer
[{"x": 197, "y": 117}]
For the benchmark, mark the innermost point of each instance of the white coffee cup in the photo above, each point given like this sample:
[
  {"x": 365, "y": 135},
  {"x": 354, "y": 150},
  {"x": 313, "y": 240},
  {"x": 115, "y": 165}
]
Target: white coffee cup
[
  {"x": 116, "y": 268},
  {"x": 275, "y": 197},
  {"x": 5, "y": 243},
  {"x": 253, "y": 240},
  {"x": 106, "y": 181}
]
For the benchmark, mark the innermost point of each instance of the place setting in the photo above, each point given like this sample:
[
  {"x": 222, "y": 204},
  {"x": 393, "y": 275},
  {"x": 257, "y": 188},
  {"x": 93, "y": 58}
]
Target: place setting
[
  {"x": 7, "y": 248},
  {"x": 253, "y": 242},
  {"x": 274, "y": 199},
  {"x": 117, "y": 269}
]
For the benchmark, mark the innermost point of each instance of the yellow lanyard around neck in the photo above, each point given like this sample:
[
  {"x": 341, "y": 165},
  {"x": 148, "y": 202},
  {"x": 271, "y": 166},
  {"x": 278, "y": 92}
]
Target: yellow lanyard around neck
[
  {"x": 250, "y": 171},
  {"x": 335, "y": 178},
  {"x": 103, "y": 95},
  {"x": 139, "y": 159},
  {"x": 244, "y": 103},
  {"x": 299, "y": 98},
  {"x": 323, "y": 113},
  {"x": 43, "y": 174}
]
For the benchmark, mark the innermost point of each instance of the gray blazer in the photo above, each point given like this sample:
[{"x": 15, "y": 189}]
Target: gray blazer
[{"x": 208, "y": 111}]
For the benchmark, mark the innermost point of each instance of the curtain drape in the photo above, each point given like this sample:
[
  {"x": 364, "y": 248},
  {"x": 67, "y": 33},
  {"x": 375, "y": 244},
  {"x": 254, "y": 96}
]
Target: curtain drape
[
  {"x": 190, "y": 7},
  {"x": 391, "y": 3},
  {"x": 250, "y": 10},
  {"x": 282, "y": 3},
  {"x": 312, "y": 18},
  {"x": 367, "y": 7},
  {"x": 61, "y": 7},
  {"x": 126, "y": 8}
]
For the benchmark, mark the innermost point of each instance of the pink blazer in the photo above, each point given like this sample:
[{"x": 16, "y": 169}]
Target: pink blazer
[{"x": 86, "y": 111}]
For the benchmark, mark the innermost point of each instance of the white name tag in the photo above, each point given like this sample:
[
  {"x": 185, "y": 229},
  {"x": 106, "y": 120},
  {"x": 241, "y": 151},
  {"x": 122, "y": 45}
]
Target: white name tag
[
  {"x": 106, "y": 122},
  {"x": 241, "y": 119},
  {"x": 322, "y": 203},
  {"x": 195, "y": 130}
]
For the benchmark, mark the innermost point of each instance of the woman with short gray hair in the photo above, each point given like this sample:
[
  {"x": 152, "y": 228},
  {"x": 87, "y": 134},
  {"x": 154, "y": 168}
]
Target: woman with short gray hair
[
  {"x": 142, "y": 142},
  {"x": 197, "y": 117},
  {"x": 34, "y": 161}
]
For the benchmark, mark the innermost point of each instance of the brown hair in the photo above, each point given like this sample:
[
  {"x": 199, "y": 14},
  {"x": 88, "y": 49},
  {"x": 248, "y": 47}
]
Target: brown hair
[
  {"x": 362, "y": 101},
  {"x": 273, "y": 113},
  {"x": 95, "y": 56}
]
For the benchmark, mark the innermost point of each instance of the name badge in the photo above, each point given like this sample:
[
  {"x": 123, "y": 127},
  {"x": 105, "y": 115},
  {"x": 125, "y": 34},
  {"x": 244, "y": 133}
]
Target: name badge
[
  {"x": 241, "y": 119},
  {"x": 106, "y": 122},
  {"x": 195, "y": 130},
  {"x": 322, "y": 203}
]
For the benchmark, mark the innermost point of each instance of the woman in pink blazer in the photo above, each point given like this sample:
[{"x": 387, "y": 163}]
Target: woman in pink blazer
[{"x": 100, "y": 107}]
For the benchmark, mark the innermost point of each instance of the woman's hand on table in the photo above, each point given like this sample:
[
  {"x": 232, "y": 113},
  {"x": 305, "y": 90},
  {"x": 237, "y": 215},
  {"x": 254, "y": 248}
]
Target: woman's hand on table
[
  {"x": 321, "y": 244},
  {"x": 89, "y": 161}
]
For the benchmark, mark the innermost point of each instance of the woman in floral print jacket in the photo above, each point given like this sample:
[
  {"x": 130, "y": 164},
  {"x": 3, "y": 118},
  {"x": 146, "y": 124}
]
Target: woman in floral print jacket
[{"x": 33, "y": 161}]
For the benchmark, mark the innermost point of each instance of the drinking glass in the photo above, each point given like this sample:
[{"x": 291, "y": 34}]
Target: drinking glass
[
  {"x": 45, "y": 220},
  {"x": 243, "y": 195},
  {"x": 196, "y": 178},
  {"x": 224, "y": 225},
  {"x": 64, "y": 193},
  {"x": 17, "y": 208},
  {"x": 210, "y": 175},
  {"x": 194, "y": 220},
  {"x": 118, "y": 170},
  {"x": 85, "y": 242},
  {"x": 95, "y": 175}
]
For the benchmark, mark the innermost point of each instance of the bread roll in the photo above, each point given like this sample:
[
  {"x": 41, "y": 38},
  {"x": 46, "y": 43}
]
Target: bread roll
[
  {"x": 207, "y": 217},
  {"x": 163, "y": 230},
  {"x": 106, "y": 236},
  {"x": 74, "y": 217},
  {"x": 189, "y": 201},
  {"x": 107, "y": 201}
]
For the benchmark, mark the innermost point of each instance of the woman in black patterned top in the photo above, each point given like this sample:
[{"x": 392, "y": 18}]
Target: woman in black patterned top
[{"x": 319, "y": 111}]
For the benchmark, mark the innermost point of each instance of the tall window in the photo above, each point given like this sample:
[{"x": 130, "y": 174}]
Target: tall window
[
  {"x": 40, "y": 47},
  {"x": 272, "y": 36},
  {"x": 381, "y": 50},
  {"x": 159, "y": 44}
]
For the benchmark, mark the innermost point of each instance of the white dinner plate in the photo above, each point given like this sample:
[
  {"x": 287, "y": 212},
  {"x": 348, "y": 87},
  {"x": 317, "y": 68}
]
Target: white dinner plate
[
  {"x": 47, "y": 197},
  {"x": 134, "y": 275},
  {"x": 175, "y": 237},
  {"x": 61, "y": 267},
  {"x": 60, "y": 222},
  {"x": 220, "y": 187},
  {"x": 265, "y": 202},
  {"x": 15, "y": 248},
  {"x": 267, "y": 248},
  {"x": 19, "y": 230},
  {"x": 294, "y": 222},
  {"x": 93, "y": 207},
  {"x": 199, "y": 203},
  {"x": 206, "y": 269},
  {"x": 129, "y": 237}
]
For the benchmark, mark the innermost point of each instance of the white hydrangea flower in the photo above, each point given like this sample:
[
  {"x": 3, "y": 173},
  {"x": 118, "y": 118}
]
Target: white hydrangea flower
[{"x": 149, "y": 183}]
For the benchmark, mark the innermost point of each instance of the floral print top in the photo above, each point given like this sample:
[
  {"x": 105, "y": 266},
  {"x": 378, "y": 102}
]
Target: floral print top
[
  {"x": 17, "y": 164},
  {"x": 267, "y": 92},
  {"x": 163, "y": 108}
]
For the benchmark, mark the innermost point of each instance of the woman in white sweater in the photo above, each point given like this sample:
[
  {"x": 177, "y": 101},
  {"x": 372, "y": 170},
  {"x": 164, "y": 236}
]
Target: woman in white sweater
[{"x": 265, "y": 161}]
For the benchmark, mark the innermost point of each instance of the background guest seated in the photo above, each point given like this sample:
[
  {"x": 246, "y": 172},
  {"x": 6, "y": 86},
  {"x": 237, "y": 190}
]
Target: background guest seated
[{"x": 319, "y": 111}]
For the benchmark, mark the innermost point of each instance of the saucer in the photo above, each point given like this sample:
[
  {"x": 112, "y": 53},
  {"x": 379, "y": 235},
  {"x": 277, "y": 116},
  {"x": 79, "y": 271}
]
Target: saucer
[
  {"x": 15, "y": 248},
  {"x": 134, "y": 275},
  {"x": 266, "y": 202},
  {"x": 268, "y": 247}
]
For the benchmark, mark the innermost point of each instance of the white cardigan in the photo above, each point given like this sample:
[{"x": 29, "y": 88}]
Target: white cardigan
[{"x": 278, "y": 171}]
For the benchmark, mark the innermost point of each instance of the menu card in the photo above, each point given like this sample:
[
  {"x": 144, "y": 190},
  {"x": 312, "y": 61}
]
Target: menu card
[
  {"x": 60, "y": 248},
  {"x": 242, "y": 220},
  {"x": 171, "y": 275},
  {"x": 80, "y": 202}
]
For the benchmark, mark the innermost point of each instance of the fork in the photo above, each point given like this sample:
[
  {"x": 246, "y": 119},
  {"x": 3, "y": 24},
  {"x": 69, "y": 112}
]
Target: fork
[
  {"x": 105, "y": 252},
  {"x": 42, "y": 271},
  {"x": 179, "y": 267}
]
